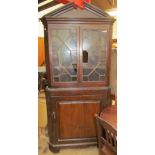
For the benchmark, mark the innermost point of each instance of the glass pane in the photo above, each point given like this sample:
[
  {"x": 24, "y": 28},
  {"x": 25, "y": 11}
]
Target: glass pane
[
  {"x": 64, "y": 54},
  {"x": 94, "y": 54}
]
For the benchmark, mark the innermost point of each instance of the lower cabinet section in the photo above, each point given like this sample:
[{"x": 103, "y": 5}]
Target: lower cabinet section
[{"x": 71, "y": 112}]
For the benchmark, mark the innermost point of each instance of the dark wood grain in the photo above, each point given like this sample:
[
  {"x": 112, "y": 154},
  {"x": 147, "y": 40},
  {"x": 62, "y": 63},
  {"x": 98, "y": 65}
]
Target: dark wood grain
[
  {"x": 71, "y": 124},
  {"x": 89, "y": 111},
  {"x": 109, "y": 114}
]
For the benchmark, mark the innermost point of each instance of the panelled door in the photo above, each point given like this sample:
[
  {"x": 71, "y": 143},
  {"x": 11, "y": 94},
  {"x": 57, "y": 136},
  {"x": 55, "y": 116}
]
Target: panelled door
[{"x": 77, "y": 119}]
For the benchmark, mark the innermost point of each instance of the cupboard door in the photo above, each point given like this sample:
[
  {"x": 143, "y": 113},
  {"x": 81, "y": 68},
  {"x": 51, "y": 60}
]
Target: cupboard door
[
  {"x": 77, "y": 119},
  {"x": 63, "y": 41},
  {"x": 94, "y": 53},
  {"x": 71, "y": 120},
  {"x": 93, "y": 107}
]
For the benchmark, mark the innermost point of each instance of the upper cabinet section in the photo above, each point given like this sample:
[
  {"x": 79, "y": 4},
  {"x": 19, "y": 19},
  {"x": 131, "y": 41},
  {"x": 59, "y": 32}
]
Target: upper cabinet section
[{"x": 77, "y": 46}]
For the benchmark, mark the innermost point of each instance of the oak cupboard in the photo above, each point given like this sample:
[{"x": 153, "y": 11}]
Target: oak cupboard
[{"x": 77, "y": 54}]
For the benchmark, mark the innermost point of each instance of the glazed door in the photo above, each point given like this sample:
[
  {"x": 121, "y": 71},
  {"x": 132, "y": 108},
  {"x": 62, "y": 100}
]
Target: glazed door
[
  {"x": 94, "y": 47},
  {"x": 79, "y": 55},
  {"x": 63, "y": 49}
]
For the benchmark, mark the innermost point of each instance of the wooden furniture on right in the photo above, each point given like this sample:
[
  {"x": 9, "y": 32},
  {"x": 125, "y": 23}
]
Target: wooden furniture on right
[{"x": 107, "y": 131}]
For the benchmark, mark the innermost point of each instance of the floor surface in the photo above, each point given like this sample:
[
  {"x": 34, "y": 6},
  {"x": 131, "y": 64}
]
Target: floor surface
[{"x": 43, "y": 150}]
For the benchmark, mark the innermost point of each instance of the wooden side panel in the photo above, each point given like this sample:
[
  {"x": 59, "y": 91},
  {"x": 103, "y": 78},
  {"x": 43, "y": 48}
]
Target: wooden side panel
[{"x": 71, "y": 120}]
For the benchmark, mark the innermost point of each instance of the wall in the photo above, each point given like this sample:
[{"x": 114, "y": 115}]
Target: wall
[
  {"x": 114, "y": 34},
  {"x": 41, "y": 51},
  {"x": 113, "y": 72}
]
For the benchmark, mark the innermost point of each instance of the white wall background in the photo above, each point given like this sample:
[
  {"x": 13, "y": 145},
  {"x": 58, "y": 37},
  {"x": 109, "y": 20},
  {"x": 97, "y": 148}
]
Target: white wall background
[{"x": 114, "y": 35}]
